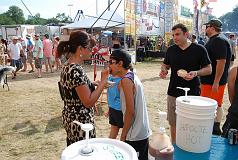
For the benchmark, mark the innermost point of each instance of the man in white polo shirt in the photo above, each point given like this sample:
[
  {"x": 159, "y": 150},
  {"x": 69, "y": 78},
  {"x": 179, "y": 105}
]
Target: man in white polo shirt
[{"x": 14, "y": 51}]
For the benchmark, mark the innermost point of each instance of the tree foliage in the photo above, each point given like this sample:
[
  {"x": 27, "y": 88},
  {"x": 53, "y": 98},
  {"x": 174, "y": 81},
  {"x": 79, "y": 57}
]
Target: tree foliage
[
  {"x": 37, "y": 20},
  {"x": 230, "y": 21},
  {"x": 15, "y": 15}
]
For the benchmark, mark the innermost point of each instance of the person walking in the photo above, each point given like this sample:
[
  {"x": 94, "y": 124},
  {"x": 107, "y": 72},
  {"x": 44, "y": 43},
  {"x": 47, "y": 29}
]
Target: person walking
[
  {"x": 30, "y": 53},
  {"x": 24, "y": 54},
  {"x": 14, "y": 51},
  {"x": 77, "y": 91},
  {"x": 55, "y": 53},
  {"x": 219, "y": 51},
  {"x": 38, "y": 55},
  {"x": 47, "y": 50},
  {"x": 188, "y": 56}
]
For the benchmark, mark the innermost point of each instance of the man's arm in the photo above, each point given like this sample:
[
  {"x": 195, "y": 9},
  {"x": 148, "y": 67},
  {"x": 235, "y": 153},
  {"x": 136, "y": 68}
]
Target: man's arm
[
  {"x": 219, "y": 71},
  {"x": 164, "y": 70},
  {"x": 128, "y": 88},
  {"x": 206, "y": 70},
  {"x": 231, "y": 83}
]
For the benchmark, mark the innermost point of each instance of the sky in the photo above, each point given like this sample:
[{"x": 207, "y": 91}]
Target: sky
[{"x": 49, "y": 8}]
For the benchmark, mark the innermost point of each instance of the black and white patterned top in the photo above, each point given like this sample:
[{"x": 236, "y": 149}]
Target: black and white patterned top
[{"x": 72, "y": 76}]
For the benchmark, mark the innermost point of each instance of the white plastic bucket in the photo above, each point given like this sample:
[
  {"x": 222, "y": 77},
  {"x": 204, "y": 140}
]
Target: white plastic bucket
[
  {"x": 194, "y": 123},
  {"x": 104, "y": 148}
]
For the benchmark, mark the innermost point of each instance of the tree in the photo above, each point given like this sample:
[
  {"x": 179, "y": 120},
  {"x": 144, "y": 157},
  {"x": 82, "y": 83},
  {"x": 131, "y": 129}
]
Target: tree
[
  {"x": 230, "y": 21},
  {"x": 36, "y": 20},
  {"x": 53, "y": 20},
  {"x": 15, "y": 14},
  {"x": 63, "y": 18},
  {"x": 5, "y": 20}
]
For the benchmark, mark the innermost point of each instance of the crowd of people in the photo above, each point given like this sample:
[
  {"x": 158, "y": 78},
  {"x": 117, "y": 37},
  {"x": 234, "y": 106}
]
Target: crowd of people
[
  {"x": 207, "y": 68},
  {"x": 208, "y": 72},
  {"x": 37, "y": 52}
]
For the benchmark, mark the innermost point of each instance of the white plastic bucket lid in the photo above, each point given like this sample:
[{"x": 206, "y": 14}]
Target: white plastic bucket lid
[
  {"x": 104, "y": 148},
  {"x": 196, "y": 101}
]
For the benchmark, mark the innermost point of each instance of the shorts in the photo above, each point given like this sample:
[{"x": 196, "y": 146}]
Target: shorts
[
  {"x": 23, "y": 59},
  {"x": 46, "y": 60},
  {"x": 16, "y": 63},
  {"x": 38, "y": 63},
  {"x": 29, "y": 57},
  {"x": 206, "y": 91},
  {"x": 171, "y": 106},
  {"x": 115, "y": 117},
  {"x": 141, "y": 147}
]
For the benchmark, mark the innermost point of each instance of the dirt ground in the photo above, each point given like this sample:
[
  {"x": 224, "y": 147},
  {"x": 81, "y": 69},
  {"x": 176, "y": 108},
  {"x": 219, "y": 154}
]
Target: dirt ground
[{"x": 30, "y": 119}]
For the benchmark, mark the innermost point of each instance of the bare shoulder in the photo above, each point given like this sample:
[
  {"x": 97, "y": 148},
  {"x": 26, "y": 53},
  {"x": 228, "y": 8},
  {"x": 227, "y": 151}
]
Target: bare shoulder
[{"x": 126, "y": 82}]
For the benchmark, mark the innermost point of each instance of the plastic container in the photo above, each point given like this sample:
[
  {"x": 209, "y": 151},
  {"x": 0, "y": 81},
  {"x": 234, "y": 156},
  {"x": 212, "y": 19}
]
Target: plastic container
[
  {"x": 103, "y": 149},
  {"x": 194, "y": 123},
  {"x": 160, "y": 146}
]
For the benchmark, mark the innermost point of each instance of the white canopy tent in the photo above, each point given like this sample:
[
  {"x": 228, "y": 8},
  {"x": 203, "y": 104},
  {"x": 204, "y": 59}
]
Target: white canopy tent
[{"x": 107, "y": 20}]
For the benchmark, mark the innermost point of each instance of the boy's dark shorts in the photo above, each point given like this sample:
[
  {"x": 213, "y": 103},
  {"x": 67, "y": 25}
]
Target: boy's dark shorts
[{"x": 115, "y": 117}]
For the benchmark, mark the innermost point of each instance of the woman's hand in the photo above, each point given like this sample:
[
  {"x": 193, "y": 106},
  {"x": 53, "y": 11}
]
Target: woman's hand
[{"x": 104, "y": 75}]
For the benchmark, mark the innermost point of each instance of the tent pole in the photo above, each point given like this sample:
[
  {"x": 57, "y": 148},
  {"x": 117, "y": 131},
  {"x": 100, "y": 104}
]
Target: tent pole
[
  {"x": 113, "y": 13},
  {"x": 102, "y": 13}
]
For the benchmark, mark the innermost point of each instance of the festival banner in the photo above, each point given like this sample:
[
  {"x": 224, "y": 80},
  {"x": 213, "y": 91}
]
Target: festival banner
[
  {"x": 162, "y": 10},
  {"x": 168, "y": 15},
  {"x": 185, "y": 12},
  {"x": 130, "y": 17}
]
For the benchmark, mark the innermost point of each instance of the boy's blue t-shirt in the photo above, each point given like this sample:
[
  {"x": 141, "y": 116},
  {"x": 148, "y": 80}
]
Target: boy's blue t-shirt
[{"x": 113, "y": 94}]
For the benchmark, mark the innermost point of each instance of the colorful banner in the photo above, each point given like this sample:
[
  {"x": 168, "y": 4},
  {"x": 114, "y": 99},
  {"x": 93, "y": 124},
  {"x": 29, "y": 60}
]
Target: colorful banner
[
  {"x": 147, "y": 22},
  {"x": 148, "y": 25},
  {"x": 162, "y": 10},
  {"x": 168, "y": 15},
  {"x": 139, "y": 6},
  {"x": 151, "y": 8},
  {"x": 185, "y": 12},
  {"x": 130, "y": 17}
]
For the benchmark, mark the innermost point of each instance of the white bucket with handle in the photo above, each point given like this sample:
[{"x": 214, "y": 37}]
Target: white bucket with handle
[{"x": 194, "y": 123}]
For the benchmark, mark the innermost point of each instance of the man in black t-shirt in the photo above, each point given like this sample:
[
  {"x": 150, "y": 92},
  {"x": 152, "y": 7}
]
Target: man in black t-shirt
[
  {"x": 219, "y": 52},
  {"x": 187, "y": 56}
]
